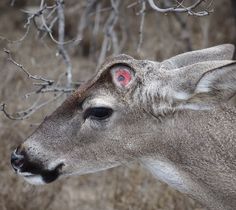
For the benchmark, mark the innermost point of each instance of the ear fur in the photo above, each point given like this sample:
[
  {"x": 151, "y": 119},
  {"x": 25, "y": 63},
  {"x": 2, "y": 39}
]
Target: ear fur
[
  {"x": 213, "y": 87},
  {"x": 220, "y": 52},
  {"x": 198, "y": 86}
]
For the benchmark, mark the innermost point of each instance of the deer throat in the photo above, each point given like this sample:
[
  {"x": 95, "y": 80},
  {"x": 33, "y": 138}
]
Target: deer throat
[{"x": 168, "y": 173}]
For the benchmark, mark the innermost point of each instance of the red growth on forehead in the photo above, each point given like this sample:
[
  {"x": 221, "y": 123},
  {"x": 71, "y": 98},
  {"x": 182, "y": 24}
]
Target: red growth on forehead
[{"x": 123, "y": 76}]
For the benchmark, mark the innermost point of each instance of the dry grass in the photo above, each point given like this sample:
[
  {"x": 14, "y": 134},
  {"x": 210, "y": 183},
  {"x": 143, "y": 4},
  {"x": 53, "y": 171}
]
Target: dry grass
[{"x": 121, "y": 188}]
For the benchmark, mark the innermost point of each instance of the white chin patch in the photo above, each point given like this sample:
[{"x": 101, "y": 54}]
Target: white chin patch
[
  {"x": 167, "y": 173},
  {"x": 34, "y": 179}
]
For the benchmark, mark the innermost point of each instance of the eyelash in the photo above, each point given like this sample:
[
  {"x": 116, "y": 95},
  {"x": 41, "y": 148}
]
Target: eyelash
[{"x": 98, "y": 113}]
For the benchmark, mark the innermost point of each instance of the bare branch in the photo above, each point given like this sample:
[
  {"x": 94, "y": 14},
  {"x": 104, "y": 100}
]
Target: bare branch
[
  {"x": 103, "y": 51},
  {"x": 61, "y": 35},
  {"x": 185, "y": 34},
  {"x": 18, "y": 40},
  {"x": 84, "y": 18},
  {"x": 12, "y": 3},
  {"x": 45, "y": 28},
  {"x": 57, "y": 89},
  {"x": 30, "y": 19},
  {"x": 132, "y": 4},
  {"x": 115, "y": 44},
  {"x": 142, "y": 13},
  {"x": 109, "y": 27},
  {"x": 53, "y": 89},
  {"x": 44, "y": 85},
  {"x": 34, "y": 77},
  {"x": 45, "y": 17},
  {"x": 95, "y": 31},
  {"x": 180, "y": 8},
  {"x": 28, "y": 112},
  {"x": 102, "y": 10}
]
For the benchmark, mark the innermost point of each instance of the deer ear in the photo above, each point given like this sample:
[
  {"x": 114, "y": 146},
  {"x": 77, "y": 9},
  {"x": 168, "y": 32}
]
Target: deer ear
[
  {"x": 220, "y": 79},
  {"x": 122, "y": 76},
  {"x": 220, "y": 52},
  {"x": 213, "y": 86}
]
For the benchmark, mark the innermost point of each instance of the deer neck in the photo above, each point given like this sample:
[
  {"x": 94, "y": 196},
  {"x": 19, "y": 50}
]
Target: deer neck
[
  {"x": 187, "y": 149},
  {"x": 161, "y": 156},
  {"x": 177, "y": 135}
]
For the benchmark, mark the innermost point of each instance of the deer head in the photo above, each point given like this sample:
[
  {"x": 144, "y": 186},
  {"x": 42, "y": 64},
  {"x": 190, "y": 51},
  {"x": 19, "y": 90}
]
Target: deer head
[{"x": 131, "y": 110}]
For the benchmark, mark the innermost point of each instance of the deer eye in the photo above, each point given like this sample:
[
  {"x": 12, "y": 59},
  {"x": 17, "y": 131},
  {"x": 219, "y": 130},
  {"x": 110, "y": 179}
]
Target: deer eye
[{"x": 98, "y": 113}]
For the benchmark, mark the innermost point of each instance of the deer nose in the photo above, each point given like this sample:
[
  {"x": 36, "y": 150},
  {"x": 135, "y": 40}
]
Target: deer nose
[{"x": 17, "y": 159}]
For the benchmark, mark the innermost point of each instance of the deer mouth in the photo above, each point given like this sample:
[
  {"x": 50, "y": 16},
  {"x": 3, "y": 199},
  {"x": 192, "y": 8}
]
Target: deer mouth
[
  {"x": 34, "y": 171},
  {"x": 42, "y": 176},
  {"x": 34, "y": 179}
]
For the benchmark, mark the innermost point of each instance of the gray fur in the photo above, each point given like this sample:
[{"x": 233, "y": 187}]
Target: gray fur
[
  {"x": 180, "y": 118},
  {"x": 221, "y": 52}
]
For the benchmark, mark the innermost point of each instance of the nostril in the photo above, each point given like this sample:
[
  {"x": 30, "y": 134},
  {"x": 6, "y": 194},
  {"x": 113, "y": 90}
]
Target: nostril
[{"x": 17, "y": 160}]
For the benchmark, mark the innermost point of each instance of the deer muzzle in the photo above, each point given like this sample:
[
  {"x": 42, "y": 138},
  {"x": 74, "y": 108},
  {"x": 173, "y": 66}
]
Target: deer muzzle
[{"x": 33, "y": 171}]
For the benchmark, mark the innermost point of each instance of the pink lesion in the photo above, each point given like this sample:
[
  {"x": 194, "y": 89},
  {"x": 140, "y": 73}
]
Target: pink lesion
[{"x": 123, "y": 77}]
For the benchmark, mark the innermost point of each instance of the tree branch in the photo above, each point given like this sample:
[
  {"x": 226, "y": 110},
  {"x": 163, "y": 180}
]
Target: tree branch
[
  {"x": 142, "y": 13},
  {"x": 30, "y": 76},
  {"x": 109, "y": 27},
  {"x": 180, "y": 8},
  {"x": 61, "y": 37},
  {"x": 28, "y": 112}
]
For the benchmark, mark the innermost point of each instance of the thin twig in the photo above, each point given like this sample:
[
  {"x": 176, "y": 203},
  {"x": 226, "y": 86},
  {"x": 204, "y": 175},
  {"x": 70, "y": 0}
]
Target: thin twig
[
  {"x": 34, "y": 77},
  {"x": 184, "y": 27},
  {"x": 132, "y": 4},
  {"x": 95, "y": 31},
  {"x": 109, "y": 27},
  {"x": 106, "y": 9},
  {"x": 57, "y": 89},
  {"x": 61, "y": 37},
  {"x": 84, "y": 18},
  {"x": 28, "y": 112},
  {"x": 115, "y": 44},
  {"x": 13, "y": 3},
  {"x": 142, "y": 13},
  {"x": 180, "y": 8}
]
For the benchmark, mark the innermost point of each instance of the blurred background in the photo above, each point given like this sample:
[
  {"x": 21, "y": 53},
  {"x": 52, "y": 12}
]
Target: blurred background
[{"x": 31, "y": 34}]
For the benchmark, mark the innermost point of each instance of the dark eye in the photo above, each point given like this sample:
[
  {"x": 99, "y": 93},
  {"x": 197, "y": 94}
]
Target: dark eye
[{"x": 98, "y": 113}]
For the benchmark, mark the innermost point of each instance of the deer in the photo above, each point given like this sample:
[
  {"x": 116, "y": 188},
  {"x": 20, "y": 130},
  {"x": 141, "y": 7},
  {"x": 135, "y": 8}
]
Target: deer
[{"x": 177, "y": 118}]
